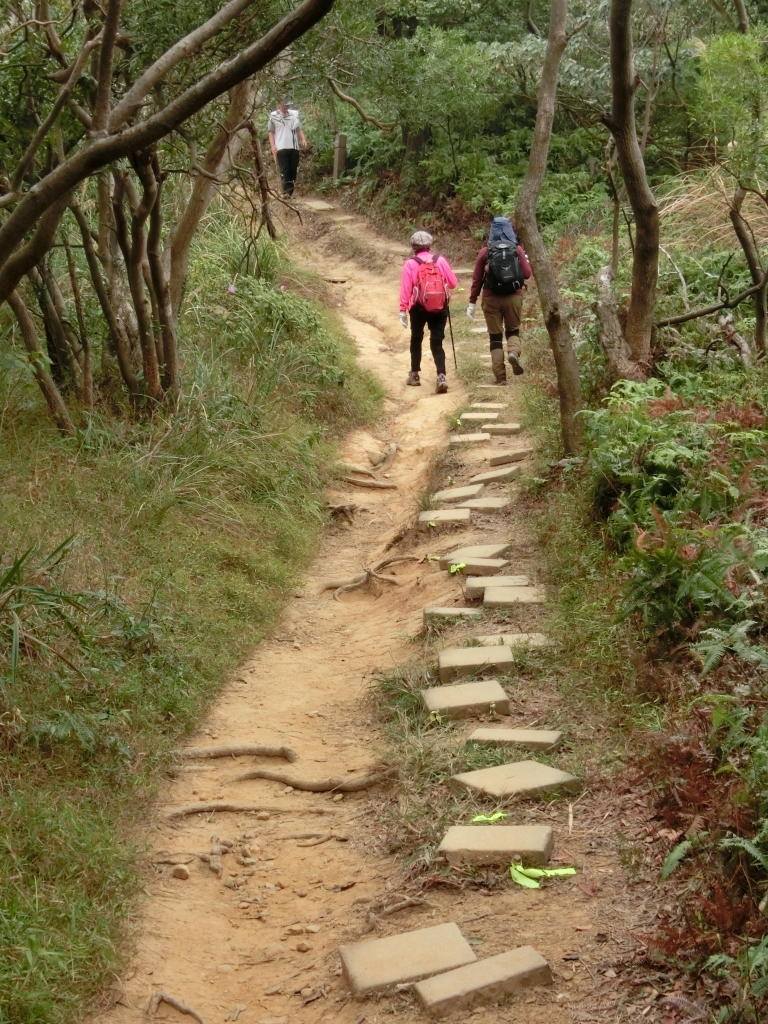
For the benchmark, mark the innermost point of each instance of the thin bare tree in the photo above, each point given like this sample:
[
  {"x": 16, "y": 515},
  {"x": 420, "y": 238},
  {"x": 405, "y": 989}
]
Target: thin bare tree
[{"x": 555, "y": 317}]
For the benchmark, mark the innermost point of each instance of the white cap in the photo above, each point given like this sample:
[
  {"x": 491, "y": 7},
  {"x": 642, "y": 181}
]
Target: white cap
[{"x": 421, "y": 239}]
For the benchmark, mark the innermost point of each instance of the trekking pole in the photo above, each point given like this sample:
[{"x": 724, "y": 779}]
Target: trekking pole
[{"x": 453, "y": 343}]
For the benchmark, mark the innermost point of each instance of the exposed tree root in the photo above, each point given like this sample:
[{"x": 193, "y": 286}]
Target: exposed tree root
[
  {"x": 336, "y": 784},
  {"x": 165, "y": 997},
  {"x": 341, "y": 586},
  {"x": 381, "y": 484},
  {"x": 351, "y": 467},
  {"x": 393, "y": 908},
  {"x": 314, "y": 838},
  {"x": 388, "y": 459},
  {"x": 182, "y": 812},
  {"x": 238, "y": 750}
]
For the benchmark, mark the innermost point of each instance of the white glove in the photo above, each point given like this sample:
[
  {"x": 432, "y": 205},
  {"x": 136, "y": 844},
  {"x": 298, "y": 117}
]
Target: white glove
[
  {"x": 403, "y": 318},
  {"x": 471, "y": 311}
]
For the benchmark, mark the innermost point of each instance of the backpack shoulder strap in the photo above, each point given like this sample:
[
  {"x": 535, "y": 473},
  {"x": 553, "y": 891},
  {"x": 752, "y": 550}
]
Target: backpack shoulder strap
[{"x": 415, "y": 257}]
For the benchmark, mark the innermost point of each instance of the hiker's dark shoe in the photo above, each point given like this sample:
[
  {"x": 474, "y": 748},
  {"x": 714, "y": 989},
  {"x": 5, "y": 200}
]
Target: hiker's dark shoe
[
  {"x": 514, "y": 362},
  {"x": 500, "y": 381},
  {"x": 413, "y": 379},
  {"x": 442, "y": 384}
]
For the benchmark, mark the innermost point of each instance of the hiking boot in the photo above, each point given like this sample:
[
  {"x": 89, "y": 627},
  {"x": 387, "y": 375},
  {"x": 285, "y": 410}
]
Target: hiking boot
[
  {"x": 442, "y": 384},
  {"x": 413, "y": 379},
  {"x": 514, "y": 362},
  {"x": 500, "y": 382}
]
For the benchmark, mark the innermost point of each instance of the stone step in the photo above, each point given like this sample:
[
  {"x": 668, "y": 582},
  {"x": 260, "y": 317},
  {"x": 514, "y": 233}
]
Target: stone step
[
  {"x": 497, "y": 844},
  {"x": 506, "y": 597},
  {"x": 485, "y": 504},
  {"x": 503, "y": 458},
  {"x": 520, "y": 778},
  {"x": 435, "y": 612},
  {"x": 536, "y": 739},
  {"x": 379, "y": 964},
  {"x": 503, "y": 428},
  {"x": 514, "y": 640},
  {"x": 482, "y": 566},
  {"x": 473, "y": 551},
  {"x": 459, "y": 493},
  {"x": 488, "y": 405},
  {"x": 466, "y": 699},
  {"x": 485, "y": 981},
  {"x": 492, "y": 476},
  {"x": 319, "y": 205},
  {"x": 475, "y": 586},
  {"x": 479, "y": 417},
  {"x": 455, "y": 662},
  {"x": 444, "y": 516},
  {"x": 478, "y": 330},
  {"x": 469, "y": 438}
]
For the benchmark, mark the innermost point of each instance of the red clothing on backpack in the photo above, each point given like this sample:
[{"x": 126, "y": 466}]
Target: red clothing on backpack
[
  {"x": 411, "y": 273},
  {"x": 479, "y": 275}
]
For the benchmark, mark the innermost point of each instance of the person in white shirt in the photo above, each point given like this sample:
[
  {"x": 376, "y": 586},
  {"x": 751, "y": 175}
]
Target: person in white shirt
[{"x": 286, "y": 136}]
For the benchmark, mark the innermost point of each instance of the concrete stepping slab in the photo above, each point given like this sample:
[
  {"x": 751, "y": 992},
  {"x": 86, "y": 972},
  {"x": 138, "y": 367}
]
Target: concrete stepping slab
[
  {"x": 503, "y": 428},
  {"x": 469, "y": 438},
  {"x": 378, "y": 964},
  {"x": 488, "y": 405},
  {"x": 514, "y": 640},
  {"x": 485, "y": 504},
  {"x": 520, "y": 778},
  {"x": 444, "y": 516},
  {"x": 464, "y": 270},
  {"x": 505, "y": 597},
  {"x": 459, "y": 493},
  {"x": 497, "y": 844},
  {"x": 478, "y": 417},
  {"x": 503, "y": 458},
  {"x": 345, "y": 217},
  {"x": 466, "y": 699},
  {"x": 434, "y": 612},
  {"x": 481, "y": 566},
  {"x": 475, "y": 586},
  {"x": 317, "y": 204},
  {"x": 485, "y": 981},
  {"x": 455, "y": 662},
  {"x": 536, "y": 739},
  {"x": 473, "y": 551},
  {"x": 492, "y": 476},
  {"x": 478, "y": 330}
]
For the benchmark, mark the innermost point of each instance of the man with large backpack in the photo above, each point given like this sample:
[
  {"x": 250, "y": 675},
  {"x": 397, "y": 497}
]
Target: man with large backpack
[
  {"x": 501, "y": 270},
  {"x": 424, "y": 287}
]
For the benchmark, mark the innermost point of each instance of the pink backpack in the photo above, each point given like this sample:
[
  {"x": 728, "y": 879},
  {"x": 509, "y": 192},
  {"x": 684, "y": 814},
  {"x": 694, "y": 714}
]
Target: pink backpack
[{"x": 430, "y": 290}]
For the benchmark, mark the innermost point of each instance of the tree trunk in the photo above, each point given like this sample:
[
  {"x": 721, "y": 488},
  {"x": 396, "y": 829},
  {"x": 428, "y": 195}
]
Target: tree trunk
[
  {"x": 133, "y": 249},
  {"x": 556, "y": 320},
  {"x": 261, "y": 177},
  {"x": 756, "y": 271},
  {"x": 621, "y": 123},
  {"x": 85, "y": 341},
  {"x": 221, "y": 155},
  {"x": 166, "y": 319},
  {"x": 120, "y": 339},
  {"x": 51, "y": 393},
  {"x": 742, "y": 16}
]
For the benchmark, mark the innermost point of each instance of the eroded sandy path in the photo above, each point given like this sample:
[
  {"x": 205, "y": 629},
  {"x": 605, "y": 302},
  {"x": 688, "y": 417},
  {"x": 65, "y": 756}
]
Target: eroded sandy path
[{"x": 264, "y": 937}]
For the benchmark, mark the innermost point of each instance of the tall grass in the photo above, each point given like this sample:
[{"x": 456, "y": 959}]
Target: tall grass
[{"x": 182, "y": 537}]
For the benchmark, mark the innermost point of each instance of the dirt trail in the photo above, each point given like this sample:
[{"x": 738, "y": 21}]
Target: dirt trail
[{"x": 265, "y": 936}]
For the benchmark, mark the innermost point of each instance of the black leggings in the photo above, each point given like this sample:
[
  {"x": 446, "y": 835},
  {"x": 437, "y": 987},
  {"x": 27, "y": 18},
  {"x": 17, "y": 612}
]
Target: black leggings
[
  {"x": 420, "y": 318},
  {"x": 288, "y": 162}
]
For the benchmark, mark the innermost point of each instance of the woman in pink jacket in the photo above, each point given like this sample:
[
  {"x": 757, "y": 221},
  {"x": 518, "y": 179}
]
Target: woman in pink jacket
[{"x": 424, "y": 287}]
